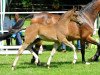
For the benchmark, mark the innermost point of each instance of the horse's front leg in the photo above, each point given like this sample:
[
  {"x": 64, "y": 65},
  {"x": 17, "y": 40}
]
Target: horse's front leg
[
  {"x": 83, "y": 51},
  {"x": 18, "y": 55},
  {"x": 52, "y": 53},
  {"x": 66, "y": 42}
]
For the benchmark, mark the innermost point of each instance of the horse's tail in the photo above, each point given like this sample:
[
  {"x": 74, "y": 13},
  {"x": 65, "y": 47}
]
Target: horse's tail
[{"x": 16, "y": 28}]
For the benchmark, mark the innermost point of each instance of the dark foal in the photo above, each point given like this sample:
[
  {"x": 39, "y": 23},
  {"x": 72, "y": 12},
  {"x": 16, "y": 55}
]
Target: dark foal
[{"x": 36, "y": 49}]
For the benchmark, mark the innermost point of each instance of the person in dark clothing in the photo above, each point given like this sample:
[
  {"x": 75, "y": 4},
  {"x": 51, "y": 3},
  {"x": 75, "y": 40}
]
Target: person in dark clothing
[{"x": 17, "y": 35}]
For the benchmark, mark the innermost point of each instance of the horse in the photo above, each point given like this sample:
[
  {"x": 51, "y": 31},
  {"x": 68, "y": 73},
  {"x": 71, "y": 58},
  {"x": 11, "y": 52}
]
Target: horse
[
  {"x": 48, "y": 32},
  {"x": 87, "y": 16},
  {"x": 42, "y": 18},
  {"x": 87, "y": 19},
  {"x": 45, "y": 19}
]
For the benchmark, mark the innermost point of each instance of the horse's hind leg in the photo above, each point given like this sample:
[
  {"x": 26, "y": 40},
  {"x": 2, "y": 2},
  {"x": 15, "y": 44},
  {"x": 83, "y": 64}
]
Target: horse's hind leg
[
  {"x": 35, "y": 52},
  {"x": 52, "y": 53},
  {"x": 97, "y": 54},
  {"x": 18, "y": 55},
  {"x": 65, "y": 41},
  {"x": 38, "y": 47},
  {"x": 91, "y": 40},
  {"x": 35, "y": 55},
  {"x": 33, "y": 58}
]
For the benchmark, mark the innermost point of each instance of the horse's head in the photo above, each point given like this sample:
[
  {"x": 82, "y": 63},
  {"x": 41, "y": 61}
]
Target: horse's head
[
  {"x": 73, "y": 15},
  {"x": 70, "y": 14}
]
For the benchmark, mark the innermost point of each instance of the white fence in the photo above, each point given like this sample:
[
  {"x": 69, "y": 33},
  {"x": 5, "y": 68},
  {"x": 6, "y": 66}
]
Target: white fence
[{"x": 11, "y": 50}]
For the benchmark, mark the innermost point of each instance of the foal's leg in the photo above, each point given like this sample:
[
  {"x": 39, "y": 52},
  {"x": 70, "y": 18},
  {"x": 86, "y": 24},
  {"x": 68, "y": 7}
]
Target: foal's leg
[
  {"x": 52, "y": 53},
  {"x": 19, "y": 53},
  {"x": 65, "y": 41}
]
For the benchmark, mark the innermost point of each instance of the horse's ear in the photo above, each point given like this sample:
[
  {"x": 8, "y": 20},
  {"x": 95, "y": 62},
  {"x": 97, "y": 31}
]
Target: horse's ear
[{"x": 74, "y": 9}]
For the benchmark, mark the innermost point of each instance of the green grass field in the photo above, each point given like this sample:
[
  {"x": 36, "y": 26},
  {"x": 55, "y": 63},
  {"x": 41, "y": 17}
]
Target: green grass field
[{"x": 60, "y": 65}]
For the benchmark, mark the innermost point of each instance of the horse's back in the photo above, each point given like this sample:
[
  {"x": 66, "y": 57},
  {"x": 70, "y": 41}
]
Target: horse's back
[{"x": 45, "y": 18}]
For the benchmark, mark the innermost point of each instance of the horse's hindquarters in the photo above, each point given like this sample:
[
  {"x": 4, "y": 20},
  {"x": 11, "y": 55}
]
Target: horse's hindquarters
[{"x": 31, "y": 33}]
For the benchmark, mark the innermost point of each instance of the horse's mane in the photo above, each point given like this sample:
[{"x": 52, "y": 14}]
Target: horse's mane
[{"x": 87, "y": 6}]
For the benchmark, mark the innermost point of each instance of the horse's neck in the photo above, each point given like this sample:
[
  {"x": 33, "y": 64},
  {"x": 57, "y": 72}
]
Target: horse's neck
[
  {"x": 90, "y": 15},
  {"x": 90, "y": 12},
  {"x": 65, "y": 18}
]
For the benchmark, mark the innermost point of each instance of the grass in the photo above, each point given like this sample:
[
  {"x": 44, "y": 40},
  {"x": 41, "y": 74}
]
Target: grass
[{"x": 60, "y": 65}]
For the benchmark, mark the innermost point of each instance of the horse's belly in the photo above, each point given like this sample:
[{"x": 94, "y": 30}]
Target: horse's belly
[
  {"x": 71, "y": 38},
  {"x": 47, "y": 33},
  {"x": 47, "y": 38}
]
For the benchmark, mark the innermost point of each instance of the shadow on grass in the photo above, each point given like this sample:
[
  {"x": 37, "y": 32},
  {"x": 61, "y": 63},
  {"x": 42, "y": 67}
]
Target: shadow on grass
[
  {"x": 43, "y": 64},
  {"x": 49, "y": 48},
  {"x": 4, "y": 64}
]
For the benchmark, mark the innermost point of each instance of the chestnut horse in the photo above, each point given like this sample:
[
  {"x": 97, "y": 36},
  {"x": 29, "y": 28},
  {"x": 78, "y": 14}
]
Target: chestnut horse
[
  {"x": 63, "y": 32},
  {"x": 48, "y": 32}
]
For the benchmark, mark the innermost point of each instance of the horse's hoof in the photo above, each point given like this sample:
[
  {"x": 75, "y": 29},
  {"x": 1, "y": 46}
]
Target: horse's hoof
[
  {"x": 32, "y": 61},
  {"x": 83, "y": 62},
  {"x": 48, "y": 66},
  {"x": 37, "y": 62},
  {"x": 13, "y": 68},
  {"x": 92, "y": 59},
  {"x": 74, "y": 61}
]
